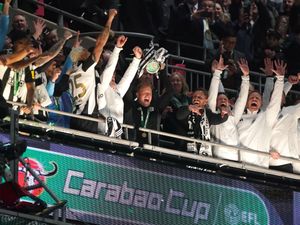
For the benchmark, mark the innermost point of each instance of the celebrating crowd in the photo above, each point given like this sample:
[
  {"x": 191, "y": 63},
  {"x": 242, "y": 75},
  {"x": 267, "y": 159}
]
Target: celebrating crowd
[{"x": 37, "y": 69}]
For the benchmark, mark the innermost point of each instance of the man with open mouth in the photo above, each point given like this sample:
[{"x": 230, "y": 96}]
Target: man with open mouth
[{"x": 255, "y": 126}]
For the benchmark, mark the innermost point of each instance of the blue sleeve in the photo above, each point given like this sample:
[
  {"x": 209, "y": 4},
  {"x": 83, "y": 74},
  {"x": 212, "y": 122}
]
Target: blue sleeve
[
  {"x": 4, "y": 22},
  {"x": 67, "y": 65},
  {"x": 50, "y": 88}
]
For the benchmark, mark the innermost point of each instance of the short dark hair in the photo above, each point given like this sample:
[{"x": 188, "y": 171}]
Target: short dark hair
[
  {"x": 144, "y": 82},
  {"x": 205, "y": 92}
]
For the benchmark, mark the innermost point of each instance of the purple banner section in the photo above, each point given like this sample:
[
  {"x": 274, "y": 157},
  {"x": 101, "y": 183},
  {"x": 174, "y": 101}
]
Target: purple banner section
[{"x": 283, "y": 205}]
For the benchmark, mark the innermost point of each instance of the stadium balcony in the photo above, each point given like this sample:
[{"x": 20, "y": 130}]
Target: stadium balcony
[{"x": 120, "y": 164}]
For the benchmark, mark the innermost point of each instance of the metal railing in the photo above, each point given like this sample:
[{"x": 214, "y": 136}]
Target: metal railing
[
  {"x": 194, "y": 76},
  {"x": 160, "y": 150}
]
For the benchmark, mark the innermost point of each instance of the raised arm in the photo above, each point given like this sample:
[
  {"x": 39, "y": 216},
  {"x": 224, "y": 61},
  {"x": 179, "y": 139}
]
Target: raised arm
[
  {"x": 103, "y": 37},
  {"x": 292, "y": 79},
  {"x": 110, "y": 67},
  {"x": 6, "y": 7},
  {"x": 217, "y": 68},
  {"x": 108, "y": 72},
  {"x": 241, "y": 101},
  {"x": 276, "y": 98},
  {"x": 127, "y": 78},
  {"x": 269, "y": 84},
  {"x": 4, "y": 23},
  {"x": 53, "y": 51}
]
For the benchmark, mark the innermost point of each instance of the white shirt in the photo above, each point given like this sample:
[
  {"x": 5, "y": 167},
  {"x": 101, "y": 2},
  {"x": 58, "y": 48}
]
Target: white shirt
[
  {"x": 227, "y": 133},
  {"x": 285, "y": 135},
  {"x": 110, "y": 101},
  {"x": 255, "y": 128}
]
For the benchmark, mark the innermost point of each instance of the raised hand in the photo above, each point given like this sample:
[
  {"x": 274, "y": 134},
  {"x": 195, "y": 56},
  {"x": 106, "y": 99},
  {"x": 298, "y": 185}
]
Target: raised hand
[
  {"x": 243, "y": 64},
  {"x": 195, "y": 109},
  {"x": 39, "y": 25},
  {"x": 218, "y": 65},
  {"x": 55, "y": 74},
  {"x": 112, "y": 13},
  {"x": 138, "y": 52},
  {"x": 293, "y": 79},
  {"x": 268, "y": 70},
  {"x": 280, "y": 67},
  {"x": 121, "y": 41},
  {"x": 77, "y": 41}
]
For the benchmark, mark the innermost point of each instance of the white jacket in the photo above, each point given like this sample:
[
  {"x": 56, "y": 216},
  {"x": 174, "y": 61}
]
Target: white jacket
[
  {"x": 255, "y": 128},
  {"x": 285, "y": 135},
  {"x": 111, "y": 104},
  {"x": 227, "y": 133},
  {"x": 296, "y": 166}
]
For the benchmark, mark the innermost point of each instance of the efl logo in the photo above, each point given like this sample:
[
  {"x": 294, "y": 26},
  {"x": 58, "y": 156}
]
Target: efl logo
[{"x": 234, "y": 216}]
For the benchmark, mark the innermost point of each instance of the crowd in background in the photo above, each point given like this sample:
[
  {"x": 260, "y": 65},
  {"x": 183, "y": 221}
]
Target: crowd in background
[{"x": 37, "y": 69}]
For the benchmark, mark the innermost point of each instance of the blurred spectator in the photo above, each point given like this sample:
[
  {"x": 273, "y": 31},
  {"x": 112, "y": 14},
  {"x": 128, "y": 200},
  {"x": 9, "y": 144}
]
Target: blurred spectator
[
  {"x": 220, "y": 14},
  {"x": 179, "y": 99},
  {"x": 287, "y": 6},
  {"x": 230, "y": 76},
  {"x": 272, "y": 49},
  {"x": 20, "y": 28},
  {"x": 191, "y": 24},
  {"x": 282, "y": 27}
]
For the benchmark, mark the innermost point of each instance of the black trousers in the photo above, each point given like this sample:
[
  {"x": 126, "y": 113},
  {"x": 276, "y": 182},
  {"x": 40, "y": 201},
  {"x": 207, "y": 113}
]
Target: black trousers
[{"x": 284, "y": 168}]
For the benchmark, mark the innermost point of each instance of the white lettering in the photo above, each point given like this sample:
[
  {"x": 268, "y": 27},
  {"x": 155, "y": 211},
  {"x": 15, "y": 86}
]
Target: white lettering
[
  {"x": 201, "y": 212},
  {"x": 154, "y": 201},
  {"x": 113, "y": 193},
  {"x": 88, "y": 188},
  {"x": 185, "y": 211},
  {"x": 127, "y": 194},
  {"x": 140, "y": 198},
  {"x": 172, "y": 194},
  {"x": 67, "y": 188},
  {"x": 98, "y": 189}
]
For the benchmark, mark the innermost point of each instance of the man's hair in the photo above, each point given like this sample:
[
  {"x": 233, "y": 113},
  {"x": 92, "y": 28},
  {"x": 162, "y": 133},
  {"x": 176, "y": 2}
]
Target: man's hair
[
  {"x": 205, "y": 92},
  {"x": 254, "y": 91},
  {"x": 222, "y": 93},
  {"x": 144, "y": 82}
]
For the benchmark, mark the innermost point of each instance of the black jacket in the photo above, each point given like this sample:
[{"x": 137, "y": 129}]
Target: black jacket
[{"x": 213, "y": 119}]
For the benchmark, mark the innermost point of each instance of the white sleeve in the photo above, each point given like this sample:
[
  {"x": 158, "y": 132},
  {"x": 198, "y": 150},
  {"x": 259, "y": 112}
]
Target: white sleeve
[
  {"x": 106, "y": 77},
  {"x": 269, "y": 85},
  {"x": 213, "y": 90},
  {"x": 275, "y": 102},
  {"x": 294, "y": 110},
  {"x": 287, "y": 87},
  {"x": 240, "y": 103},
  {"x": 128, "y": 76}
]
